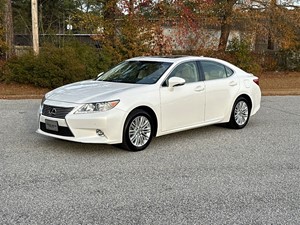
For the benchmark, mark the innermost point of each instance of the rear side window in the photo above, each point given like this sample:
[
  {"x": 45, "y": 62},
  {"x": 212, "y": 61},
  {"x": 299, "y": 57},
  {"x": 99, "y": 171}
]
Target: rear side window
[
  {"x": 229, "y": 71},
  {"x": 214, "y": 70}
]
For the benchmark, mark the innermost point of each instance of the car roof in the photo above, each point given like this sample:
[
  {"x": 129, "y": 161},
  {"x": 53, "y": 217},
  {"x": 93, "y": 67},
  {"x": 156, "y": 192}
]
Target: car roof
[
  {"x": 169, "y": 58},
  {"x": 174, "y": 58},
  {"x": 181, "y": 58}
]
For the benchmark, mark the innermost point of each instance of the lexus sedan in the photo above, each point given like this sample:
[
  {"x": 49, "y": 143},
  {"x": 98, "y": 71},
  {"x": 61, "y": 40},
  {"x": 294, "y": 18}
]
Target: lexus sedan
[{"x": 146, "y": 97}]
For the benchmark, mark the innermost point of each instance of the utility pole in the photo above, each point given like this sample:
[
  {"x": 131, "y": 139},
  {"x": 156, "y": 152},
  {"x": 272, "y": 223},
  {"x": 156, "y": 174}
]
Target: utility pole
[
  {"x": 9, "y": 30},
  {"x": 35, "y": 27}
]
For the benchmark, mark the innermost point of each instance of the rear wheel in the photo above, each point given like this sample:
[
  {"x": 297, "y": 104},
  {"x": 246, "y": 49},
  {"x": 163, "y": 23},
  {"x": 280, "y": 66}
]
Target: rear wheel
[
  {"x": 138, "y": 131},
  {"x": 240, "y": 114}
]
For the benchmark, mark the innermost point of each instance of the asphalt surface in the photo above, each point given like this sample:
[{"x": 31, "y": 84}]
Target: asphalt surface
[{"x": 210, "y": 175}]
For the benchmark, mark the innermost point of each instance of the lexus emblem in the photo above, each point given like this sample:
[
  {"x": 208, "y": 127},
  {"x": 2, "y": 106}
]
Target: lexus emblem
[{"x": 52, "y": 111}]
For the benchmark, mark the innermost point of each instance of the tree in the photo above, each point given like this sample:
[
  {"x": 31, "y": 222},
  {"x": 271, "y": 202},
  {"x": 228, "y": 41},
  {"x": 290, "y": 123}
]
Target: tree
[
  {"x": 3, "y": 46},
  {"x": 278, "y": 22},
  {"x": 22, "y": 16},
  {"x": 129, "y": 32},
  {"x": 53, "y": 15},
  {"x": 281, "y": 26},
  {"x": 195, "y": 18},
  {"x": 225, "y": 10}
]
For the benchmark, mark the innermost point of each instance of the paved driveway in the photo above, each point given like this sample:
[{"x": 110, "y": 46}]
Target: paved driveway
[{"x": 210, "y": 175}]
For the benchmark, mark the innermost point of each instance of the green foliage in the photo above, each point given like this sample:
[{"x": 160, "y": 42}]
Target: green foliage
[
  {"x": 240, "y": 54},
  {"x": 129, "y": 37},
  {"x": 52, "y": 15},
  {"x": 269, "y": 61},
  {"x": 139, "y": 32},
  {"x": 53, "y": 67},
  {"x": 22, "y": 16},
  {"x": 3, "y": 45},
  {"x": 289, "y": 59}
]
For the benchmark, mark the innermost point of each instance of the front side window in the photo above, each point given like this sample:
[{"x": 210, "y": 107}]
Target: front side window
[
  {"x": 214, "y": 70},
  {"x": 188, "y": 71},
  {"x": 136, "y": 72}
]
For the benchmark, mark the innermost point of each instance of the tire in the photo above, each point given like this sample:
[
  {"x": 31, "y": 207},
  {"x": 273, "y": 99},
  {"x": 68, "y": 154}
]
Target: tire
[
  {"x": 138, "y": 131},
  {"x": 240, "y": 114}
]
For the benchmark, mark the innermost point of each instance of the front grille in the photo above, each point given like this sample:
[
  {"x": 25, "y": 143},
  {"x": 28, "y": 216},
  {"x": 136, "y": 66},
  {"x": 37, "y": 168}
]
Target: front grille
[
  {"x": 62, "y": 131},
  {"x": 55, "y": 111}
]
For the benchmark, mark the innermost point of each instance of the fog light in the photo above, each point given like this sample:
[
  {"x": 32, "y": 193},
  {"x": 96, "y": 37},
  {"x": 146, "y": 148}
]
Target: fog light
[{"x": 99, "y": 132}]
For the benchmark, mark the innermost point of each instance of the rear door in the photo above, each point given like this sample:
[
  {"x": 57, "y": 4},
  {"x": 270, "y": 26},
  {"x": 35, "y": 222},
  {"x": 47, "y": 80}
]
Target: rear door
[{"x": 221, "y": 86}]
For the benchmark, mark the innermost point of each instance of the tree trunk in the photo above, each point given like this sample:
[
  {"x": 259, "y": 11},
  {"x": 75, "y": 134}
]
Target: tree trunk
[
  {"x": 131, "y": 8},
  {"x": 225, "y": 23},
  {"x": 109, "y": 10},
  {"x": 9, "y": 30},
  {"x": 225, "y": 31},
  {"x": 110, "y": 23}
]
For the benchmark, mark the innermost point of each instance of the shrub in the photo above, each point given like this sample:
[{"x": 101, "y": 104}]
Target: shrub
[
  {"x": 289, "y": 59},
  {"x": 54, "y": 66},
  {"x": 268, "y": 61},
  {"x": 19, "y": 69},
  {"x": 241, "y": 55}
]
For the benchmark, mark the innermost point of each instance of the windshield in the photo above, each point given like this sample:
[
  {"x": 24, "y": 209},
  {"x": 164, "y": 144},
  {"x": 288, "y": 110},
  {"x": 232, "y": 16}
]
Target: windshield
[{"x": 136, "y": 72}]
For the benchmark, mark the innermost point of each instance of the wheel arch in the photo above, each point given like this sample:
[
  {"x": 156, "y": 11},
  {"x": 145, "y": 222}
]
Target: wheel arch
[
  {"x": 151, "y": 113},
  {"x": 228, "y": 114},
  {"x": 232, "y": 123},
  {"x": 248, "y": 98}
]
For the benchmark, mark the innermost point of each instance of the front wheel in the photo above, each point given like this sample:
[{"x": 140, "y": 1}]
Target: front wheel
[
  {"x": 240, "y": 114},
  {"x": 138, "y": 131}
]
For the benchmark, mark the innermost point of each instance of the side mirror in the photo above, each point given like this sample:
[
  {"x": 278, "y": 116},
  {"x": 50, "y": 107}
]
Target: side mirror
[{"x": 175, "y": 81}]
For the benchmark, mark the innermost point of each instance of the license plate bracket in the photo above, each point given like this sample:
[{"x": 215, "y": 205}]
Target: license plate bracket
[{"x": 51, "y": 125}]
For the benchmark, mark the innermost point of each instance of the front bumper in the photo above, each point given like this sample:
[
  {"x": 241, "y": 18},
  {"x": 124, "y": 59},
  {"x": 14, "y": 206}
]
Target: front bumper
[{"x": 83, "y": 127}]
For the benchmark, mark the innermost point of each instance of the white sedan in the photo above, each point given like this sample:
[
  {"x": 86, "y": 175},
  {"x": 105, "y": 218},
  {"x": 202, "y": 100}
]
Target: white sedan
[{"x": 147, "y": 97}]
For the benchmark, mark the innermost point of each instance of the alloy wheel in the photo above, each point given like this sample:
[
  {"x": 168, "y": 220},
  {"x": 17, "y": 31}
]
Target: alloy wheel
[
  {"x": 241, "y": 113},
  {"x": 139, "y": 131}
]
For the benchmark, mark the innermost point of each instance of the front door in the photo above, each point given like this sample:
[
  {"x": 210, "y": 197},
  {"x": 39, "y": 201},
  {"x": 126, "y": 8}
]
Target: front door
[{"x": 184, "y": 105}]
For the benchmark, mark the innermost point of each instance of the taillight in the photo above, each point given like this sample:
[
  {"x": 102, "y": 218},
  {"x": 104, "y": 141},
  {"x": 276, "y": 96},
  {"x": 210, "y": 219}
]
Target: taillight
[{"x": 256, "y": 80}]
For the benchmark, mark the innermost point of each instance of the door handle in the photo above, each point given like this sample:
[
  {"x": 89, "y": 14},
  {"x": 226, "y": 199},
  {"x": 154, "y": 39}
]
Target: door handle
[
  {"x": 233, "y": 83},
  {"x": 199, "y": 88}
]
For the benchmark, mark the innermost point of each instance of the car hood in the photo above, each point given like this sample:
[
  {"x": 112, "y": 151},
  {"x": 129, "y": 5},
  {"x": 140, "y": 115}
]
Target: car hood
[{"x": 89, "y": 91}]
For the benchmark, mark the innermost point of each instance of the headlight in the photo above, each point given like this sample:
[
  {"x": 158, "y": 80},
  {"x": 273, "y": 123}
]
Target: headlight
[
  {"x": 97, "y": 107},
  {"x": 43, "y": 99},
  {"x": 42, "y": 104}
]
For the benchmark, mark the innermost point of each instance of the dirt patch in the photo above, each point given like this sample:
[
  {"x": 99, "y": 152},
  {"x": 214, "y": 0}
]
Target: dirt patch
[
  {"x": 280, "y": 83},
  {"x": 21, "y": 91},
  {"x": 271, "y": 83}
]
